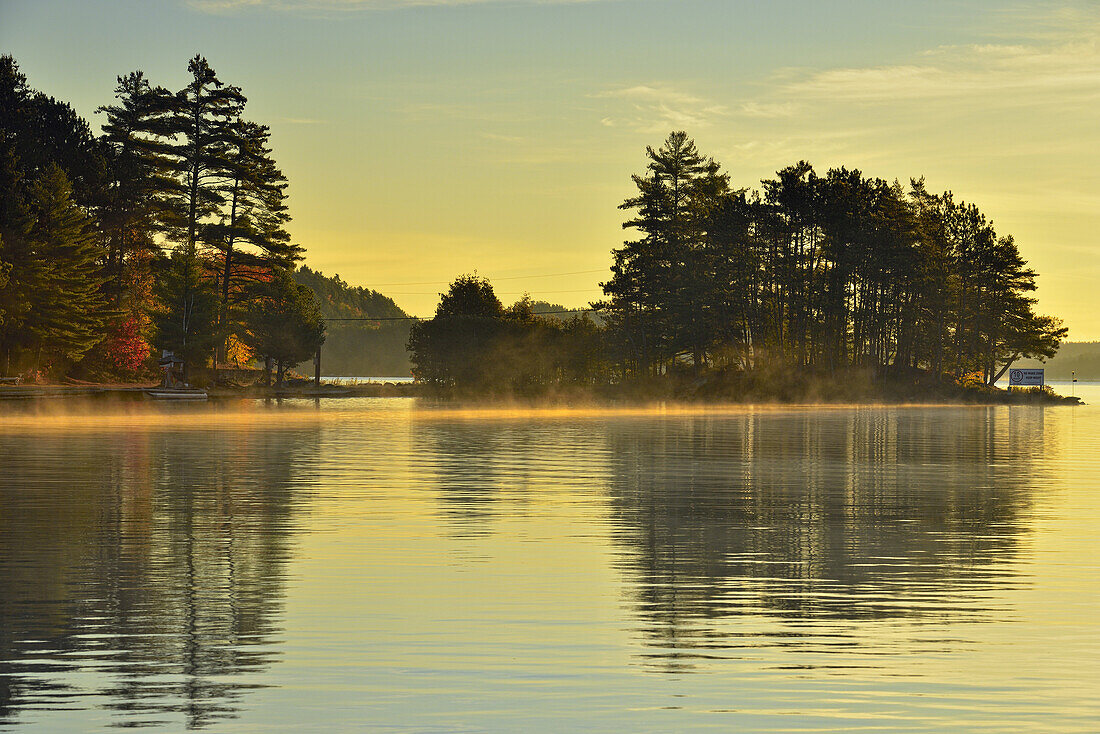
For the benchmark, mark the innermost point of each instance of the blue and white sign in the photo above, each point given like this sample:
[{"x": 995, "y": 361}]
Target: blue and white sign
[{"x": 1026, "y": 378}]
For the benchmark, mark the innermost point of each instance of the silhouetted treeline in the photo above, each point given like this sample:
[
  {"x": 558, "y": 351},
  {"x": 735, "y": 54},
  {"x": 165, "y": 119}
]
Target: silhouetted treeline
[
  {"x": 474, "y": 343},
  {"x": 165, "y": 232},
  {"x": 820, "y": 275},
  {"x": 337, "y": 299},
  {"x": 824, "y": 272}
]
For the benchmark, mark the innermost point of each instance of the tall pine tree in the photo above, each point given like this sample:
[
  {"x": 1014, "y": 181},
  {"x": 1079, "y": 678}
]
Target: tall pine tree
[
  {"x": 658, "y": 281},
  {"x": 199, "y": 127},
  {"x": 251, "y": 237}
]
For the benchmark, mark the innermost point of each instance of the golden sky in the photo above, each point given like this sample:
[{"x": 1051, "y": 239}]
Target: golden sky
[{"x": 428, "y": 138}]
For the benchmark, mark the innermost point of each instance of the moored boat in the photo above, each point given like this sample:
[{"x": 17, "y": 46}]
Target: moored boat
[{"x": 167, "y": 393}]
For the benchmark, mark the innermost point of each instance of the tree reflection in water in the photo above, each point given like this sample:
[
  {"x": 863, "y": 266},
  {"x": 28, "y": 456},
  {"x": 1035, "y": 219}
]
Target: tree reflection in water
[
  {"x": 149, "y": 574},
  {"x": 806, "y": 517}
]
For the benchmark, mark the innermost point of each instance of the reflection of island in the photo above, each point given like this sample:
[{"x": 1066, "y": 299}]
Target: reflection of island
[
  {"x": 153, "y": 567},
  {"x": 463, "y": 457},
  {"x": 474, "y": 462},
  {"x": 811, "y": 516}
]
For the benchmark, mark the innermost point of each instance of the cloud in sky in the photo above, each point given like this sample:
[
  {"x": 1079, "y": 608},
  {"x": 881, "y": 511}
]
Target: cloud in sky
[
  {"x": 229, "y": 6},
  {"x": 879, "y": 112},
  {"x": 1055, "y": 58},
  {"x": 1037, "y": 57},
  {"x": 768, "y": 109},
  {"x": 1058, "y": 62},
  {"x": 657, "y": 108}
]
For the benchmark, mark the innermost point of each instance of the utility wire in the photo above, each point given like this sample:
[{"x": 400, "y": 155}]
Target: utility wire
[
  {"x": 499, "y": 293},
  {"x": 376, "y": 286},
  {"x": 423, "y": 318}
]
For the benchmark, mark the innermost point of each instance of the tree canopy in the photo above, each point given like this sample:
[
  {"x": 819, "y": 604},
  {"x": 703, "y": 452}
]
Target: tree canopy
[
  {"x": 822, "y": 272},
  {"x": 162, "y": 233}
]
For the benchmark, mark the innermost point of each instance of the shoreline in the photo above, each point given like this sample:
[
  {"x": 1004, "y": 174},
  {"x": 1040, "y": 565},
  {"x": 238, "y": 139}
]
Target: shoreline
[{"x": 122, "y": 392}]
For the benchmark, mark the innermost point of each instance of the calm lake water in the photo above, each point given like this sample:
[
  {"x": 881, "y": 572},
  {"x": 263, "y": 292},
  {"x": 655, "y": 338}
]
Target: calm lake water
[{"x": 387, "y": 565}]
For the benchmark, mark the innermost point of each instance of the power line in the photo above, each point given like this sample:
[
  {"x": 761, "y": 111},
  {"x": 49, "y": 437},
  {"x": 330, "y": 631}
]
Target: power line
[
  {"x": 423, "y": 318},
  {"x": 376, "y": 286},
  {"x": 499, "y": 293}
]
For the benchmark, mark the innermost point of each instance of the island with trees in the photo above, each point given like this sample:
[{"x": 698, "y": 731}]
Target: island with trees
[
  {"x": 168, "y": 233},
  {"x": 830, "y": 287}
]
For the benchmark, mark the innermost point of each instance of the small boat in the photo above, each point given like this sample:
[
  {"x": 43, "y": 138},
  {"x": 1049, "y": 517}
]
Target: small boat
[{"x": 168, "y": 393}]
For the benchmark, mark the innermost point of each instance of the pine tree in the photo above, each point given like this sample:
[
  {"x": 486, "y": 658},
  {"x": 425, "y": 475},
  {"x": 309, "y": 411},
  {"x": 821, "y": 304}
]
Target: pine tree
[
  {"x": 658, "y": 279},
  {"x": 251, "y": 237},
  {"x": 199, "y": 127},
  {"x": 68, "y": 308},
  {"x": 23, "y": 268},
  {"x": 47, "y": 242},
  {"x": 137, "y": 174}
]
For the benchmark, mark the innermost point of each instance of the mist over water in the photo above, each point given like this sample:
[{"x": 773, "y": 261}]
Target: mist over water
[{"x": 392, "y": 564}]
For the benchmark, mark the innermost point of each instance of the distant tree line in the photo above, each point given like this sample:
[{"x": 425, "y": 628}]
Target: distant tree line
[
  {"x": 372, "y": 345},
  {"x": 168, "y": 231},
  {"x": 473, "y": 343},
  {"x": 826, "y": 274}
]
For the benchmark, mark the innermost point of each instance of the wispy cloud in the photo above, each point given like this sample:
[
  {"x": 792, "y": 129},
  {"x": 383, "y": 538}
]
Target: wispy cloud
[
  {"x": 658, "y": 107},
  {"x": 230, "y": 6},
  {"x": 768, "y": 109},
  {"x": 1061, "y": 61},
  {"x": 299, "y": 121}
]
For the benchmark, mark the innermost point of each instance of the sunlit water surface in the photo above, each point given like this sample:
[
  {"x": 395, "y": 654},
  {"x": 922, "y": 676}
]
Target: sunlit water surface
[{"x": 388, "y": 565}]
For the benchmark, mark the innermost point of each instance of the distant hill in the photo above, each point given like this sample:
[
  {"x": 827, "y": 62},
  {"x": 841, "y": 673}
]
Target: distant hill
[
  {"x": 337, "y": 298},
  {"x": 376, "y": 348},
  {"x": 359, "y": 348},
  {"x": 1080, "y": 357}
]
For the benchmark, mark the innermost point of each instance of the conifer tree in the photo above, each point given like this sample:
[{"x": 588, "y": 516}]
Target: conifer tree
[
  {"x": 137, "y": 174},
  {"x": 658, "y": 279},
  {"x": 47, "y": 242},
  {"x": 16, "y": 254},
  {"x": 199, "y": 128},
  {"x": 251, "y": 236},
  {"x": 69, "y": 308}
]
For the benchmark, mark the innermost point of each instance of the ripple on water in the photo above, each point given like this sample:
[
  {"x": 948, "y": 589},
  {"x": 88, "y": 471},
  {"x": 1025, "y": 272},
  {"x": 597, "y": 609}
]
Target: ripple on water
[{"x": 387, "y": 564}]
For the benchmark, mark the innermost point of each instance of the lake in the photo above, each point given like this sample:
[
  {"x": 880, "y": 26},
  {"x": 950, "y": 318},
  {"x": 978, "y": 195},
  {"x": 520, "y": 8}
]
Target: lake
[{"x": 394, "y": 565}]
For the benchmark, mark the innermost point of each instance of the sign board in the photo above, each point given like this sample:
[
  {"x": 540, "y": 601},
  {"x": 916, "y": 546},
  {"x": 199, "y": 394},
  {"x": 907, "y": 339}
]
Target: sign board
[{"x": 1026, "y": 378}]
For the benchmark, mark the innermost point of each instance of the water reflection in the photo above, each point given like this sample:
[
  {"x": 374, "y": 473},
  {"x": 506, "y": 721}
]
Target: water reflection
[
  {"x": 475, "y": 464},
  {"x": 806, "y": 516},
  {"x": 142, "y": 571},
  {"x": 500, "y": 570}
]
